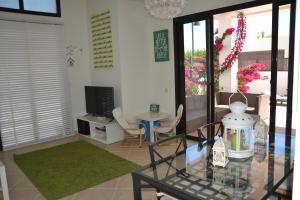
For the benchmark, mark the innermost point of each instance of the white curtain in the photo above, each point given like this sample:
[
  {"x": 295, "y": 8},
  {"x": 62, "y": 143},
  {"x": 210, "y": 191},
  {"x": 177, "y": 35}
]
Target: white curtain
[{"x": 34, "y": 92}]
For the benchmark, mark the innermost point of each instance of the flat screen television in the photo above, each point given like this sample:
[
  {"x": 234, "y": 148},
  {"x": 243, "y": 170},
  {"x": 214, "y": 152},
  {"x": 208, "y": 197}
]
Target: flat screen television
[{"x": 99, "y": 101}]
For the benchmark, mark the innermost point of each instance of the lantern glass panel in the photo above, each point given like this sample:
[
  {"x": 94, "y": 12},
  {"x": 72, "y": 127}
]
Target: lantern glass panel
[
  {"x": 232, "y": 139},
  {"x": 229, "y": 137},
  {"x": 245, "y": 139}
]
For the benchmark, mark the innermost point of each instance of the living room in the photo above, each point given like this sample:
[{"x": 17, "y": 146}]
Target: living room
[{"x": 137, "y": 81}]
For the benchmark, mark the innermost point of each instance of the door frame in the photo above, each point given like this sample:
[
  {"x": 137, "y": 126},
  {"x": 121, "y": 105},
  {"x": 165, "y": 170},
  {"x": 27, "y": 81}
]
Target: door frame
[
  {"x": 179, "y": 71},
  {"x": 208, "y": 16}
]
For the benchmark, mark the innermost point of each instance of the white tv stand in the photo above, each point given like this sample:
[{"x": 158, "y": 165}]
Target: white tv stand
[{"x": 100, "y": 129}]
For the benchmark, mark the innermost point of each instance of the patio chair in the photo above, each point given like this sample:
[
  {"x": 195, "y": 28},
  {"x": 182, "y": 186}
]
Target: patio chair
[
  {"x": 159, "y": 155},
  {"x": 168, "y": 128},
  {"x": 131, "y": 131}
]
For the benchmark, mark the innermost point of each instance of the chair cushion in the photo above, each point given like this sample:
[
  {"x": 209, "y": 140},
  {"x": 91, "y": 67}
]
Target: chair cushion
[
  {"x": 118, "y": 115},
  {"x": 134, "y": 132}
]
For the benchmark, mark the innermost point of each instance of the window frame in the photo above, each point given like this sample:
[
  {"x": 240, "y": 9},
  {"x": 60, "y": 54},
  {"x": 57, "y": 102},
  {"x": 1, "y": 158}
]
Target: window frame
[{"x": 22, "y": 11}]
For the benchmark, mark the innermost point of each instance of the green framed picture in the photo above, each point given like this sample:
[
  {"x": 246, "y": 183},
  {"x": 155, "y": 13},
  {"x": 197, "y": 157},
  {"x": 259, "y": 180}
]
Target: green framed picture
[
  {"x": 161, "y": 45},
  {"x": 154, "y": 108}
]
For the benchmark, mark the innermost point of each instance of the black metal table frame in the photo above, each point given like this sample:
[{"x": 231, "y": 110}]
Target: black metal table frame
[{"x": 138, "y": 178}]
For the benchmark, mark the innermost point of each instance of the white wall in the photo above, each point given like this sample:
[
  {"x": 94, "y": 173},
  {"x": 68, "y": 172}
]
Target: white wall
[
  {"x": 74, "y": 16},
  {"x": 130, "y": 74},
  {"x": 134, "y": 57},
  {"x": 110, "y": 77},
  {"x": 264, "y": 44},
  {"x": 162, "y": 86},
  {"x": 228, "y": 79}
]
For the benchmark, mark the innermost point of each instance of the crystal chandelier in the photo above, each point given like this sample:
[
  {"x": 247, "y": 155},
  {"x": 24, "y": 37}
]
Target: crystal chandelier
[{"x": 165, "y": 9}]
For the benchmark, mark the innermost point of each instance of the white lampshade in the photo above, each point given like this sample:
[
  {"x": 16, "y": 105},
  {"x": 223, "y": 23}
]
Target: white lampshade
[{"x": 165, "y": 9}]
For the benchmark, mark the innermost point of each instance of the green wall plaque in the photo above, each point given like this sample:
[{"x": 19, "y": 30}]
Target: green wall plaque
[{"x": 161, "y": 45}]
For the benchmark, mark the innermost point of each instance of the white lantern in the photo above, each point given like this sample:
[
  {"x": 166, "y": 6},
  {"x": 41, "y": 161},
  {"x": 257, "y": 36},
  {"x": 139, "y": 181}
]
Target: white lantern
[
  {"x": 238, "y": 130},
  {"x": 240, "y": 173},
  {"x": 260, "y": 152},
  {"x": 220, "y": 154},
  {"x": 261, "y": 129},
  {"x": 234, "y": 179}
]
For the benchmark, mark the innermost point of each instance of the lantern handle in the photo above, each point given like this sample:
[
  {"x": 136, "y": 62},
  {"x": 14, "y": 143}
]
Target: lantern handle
[{"x": 238, "y": 91}]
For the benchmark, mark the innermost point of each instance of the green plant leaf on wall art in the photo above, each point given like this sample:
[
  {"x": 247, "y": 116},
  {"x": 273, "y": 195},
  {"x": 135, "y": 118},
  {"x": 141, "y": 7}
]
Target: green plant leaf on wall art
[{"x": 102, "y": 39}]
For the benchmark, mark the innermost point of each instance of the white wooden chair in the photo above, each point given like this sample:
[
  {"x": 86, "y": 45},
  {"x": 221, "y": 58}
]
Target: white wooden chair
[
  {"x": 131, "y": 131},
  {"x": 168, "y": 129}
]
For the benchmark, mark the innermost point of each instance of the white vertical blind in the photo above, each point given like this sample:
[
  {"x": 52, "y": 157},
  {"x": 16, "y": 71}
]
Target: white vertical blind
[{"x": 34, "y": 91}]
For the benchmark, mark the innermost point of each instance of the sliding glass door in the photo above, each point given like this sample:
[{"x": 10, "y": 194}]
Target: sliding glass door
[
  {"x": 195, "y": 75},
  {"x": 247, "y": 47}
]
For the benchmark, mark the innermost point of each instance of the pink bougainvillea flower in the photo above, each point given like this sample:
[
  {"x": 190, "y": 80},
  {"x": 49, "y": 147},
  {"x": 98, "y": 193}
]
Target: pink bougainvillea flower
[
  {"x": 229, "y": 31},
  {"x": 248, "y": 74},
  {"x": 194, "y": 80},
  {"x": 187, "y": 72},
  {"x": 248, "y": 78},
  {"x": 256, "y": 66},
  {"x": 200, "y": 67},
  {"x": 237, "y": 49},
  {"x": 244, "y": 88},
  {"x": 260, "y": 66},
  {"x": 240, "y": 75},
  {"x": 186, "y": 62},
  {"x": 186, "y": 83},
  {"x": 218, "y": 45},
  {"x": 256, "y": 75}
]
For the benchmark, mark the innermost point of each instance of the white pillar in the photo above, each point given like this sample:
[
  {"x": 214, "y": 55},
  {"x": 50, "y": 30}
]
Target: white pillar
[{"x": 228, "y": 79}]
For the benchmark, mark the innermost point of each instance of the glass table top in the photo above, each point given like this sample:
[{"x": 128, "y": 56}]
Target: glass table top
[{"x": 254, "y": 178}]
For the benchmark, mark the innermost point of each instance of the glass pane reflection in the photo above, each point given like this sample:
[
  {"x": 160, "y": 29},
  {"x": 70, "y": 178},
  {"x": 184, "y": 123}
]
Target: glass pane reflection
[{"x": 48, "y": 6}]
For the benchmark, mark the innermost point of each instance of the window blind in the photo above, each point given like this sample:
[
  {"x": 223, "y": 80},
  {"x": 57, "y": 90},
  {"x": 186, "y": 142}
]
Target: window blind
[{"x": 34, "y": 91}]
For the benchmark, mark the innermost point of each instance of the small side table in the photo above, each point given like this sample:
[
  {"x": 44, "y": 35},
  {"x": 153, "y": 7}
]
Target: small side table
[
  {"x": 152, "y": 117},
  {"x": 4, "y": 182}
]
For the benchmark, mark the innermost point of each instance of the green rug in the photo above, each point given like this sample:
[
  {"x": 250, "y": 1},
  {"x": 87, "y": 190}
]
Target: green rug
[{"x": 69, "y": 168}]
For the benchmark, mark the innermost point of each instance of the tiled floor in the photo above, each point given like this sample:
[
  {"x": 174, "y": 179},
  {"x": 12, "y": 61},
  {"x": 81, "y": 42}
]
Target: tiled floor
[{"x": 20, "y": 188}]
